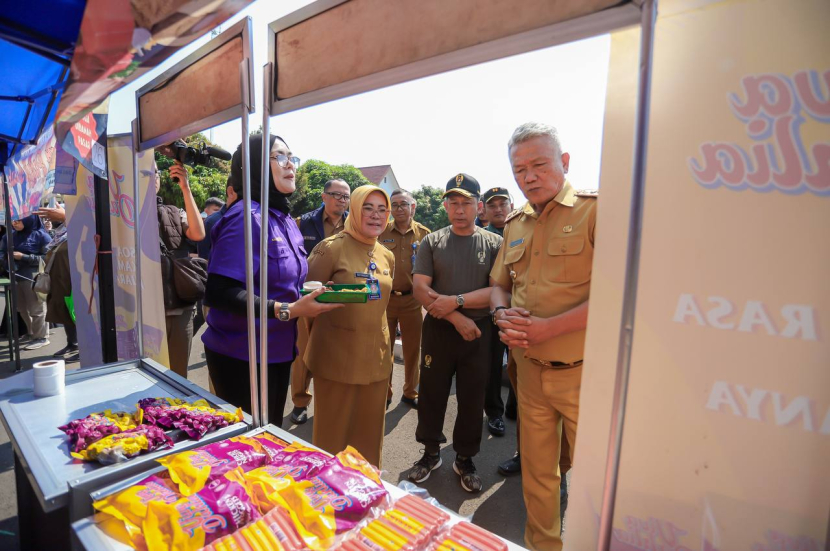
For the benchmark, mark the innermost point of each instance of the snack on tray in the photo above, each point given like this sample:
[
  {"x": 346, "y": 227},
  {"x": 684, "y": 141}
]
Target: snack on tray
[
  {"x": 274, "y": 531},
  {"x": 469, "y": 536},
  {"x": 410, "y": 524},
  {"x": 93, "y": 427},
  {"x": 130, "y": 506},
  {"x": 220, "y": 508},
  {"x": 192, "y": 469},
  {"x": 124, "y": 445},
  {"x": 323, "y": 504},
  {"x": 196, "y": 418},
  {"x": 271, "y": 444}
]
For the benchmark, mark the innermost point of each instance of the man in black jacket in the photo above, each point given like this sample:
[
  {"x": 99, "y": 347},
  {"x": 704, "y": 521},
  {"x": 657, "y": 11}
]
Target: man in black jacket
[{"x": 315, "y": 226}]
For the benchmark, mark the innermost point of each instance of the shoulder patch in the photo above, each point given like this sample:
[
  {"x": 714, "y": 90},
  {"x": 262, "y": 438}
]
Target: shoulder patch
[
  {"x": 512, "y": 215},
  {"x": 588, "y": 193}
]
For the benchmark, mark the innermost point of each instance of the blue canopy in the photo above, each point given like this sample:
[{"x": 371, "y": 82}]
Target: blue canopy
[{"x": 37, "y": 40}]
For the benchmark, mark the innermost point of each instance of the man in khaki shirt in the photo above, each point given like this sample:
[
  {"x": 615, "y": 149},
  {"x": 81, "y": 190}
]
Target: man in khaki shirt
[
  {"x": 315, "y": 226},
  {"x": 403, "y": 236},
  {"x": 542, "y": 277}
]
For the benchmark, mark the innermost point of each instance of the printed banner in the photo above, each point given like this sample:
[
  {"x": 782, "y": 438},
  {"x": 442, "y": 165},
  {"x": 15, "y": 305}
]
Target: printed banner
[
  {"x": 30, "y": 174},
  {"x": 122, "y": 40},
  {"x": 727, "y": 426},
  {"x": 87, "y": 139},
  {"x": 80, "y": 230},
  {"x": 122, "y": 224}
]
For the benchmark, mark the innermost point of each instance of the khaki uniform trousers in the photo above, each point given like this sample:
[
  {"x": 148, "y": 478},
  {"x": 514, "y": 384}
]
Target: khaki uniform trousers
[
  {"x": 406, "y": 311},
  {"x": 300, "y": 375},
  {"x": 549, "y": 403},
  {"x": 565, "y": 452},
  {"x": 350, "y": 415}
]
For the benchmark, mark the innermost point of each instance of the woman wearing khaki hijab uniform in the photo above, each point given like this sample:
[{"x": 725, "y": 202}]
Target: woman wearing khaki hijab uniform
[{"x": 348, "y": 349}]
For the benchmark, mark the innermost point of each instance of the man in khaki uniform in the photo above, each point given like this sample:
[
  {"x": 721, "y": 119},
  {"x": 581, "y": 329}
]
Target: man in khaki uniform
[
  {"x": 542, "y": 277},
  {"x": 403, "y": 236},
  {"x": 315, "y": 226}
]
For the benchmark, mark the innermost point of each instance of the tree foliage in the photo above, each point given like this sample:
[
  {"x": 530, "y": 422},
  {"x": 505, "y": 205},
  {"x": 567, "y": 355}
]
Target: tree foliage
[
  {"x": 430, "y": 211},
  {"x": 312, "y": 176},
  {"x": 205, "y": 182}
]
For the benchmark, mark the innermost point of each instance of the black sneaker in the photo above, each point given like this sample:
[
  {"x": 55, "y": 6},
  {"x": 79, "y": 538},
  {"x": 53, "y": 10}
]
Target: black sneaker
[
  {"x": 76, "y": 357},
  {"x": 421, "y": 469},
  {"x": 411, "y": 402},
  {"x": 68, "y": 349},
  {"x": 511, "y": 466},
  {"x": 299, "y": 415},
  {"x": 464, "y": 468},
  {"x": 496, "y": 426}
]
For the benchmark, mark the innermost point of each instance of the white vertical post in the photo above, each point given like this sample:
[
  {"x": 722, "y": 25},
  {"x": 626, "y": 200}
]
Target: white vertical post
[
  {"x": 139, "y": 305},
  {"x": 245, "y": 78},
  {"x": 263, "y": 245},
  {"x": 632, "y": 274}
]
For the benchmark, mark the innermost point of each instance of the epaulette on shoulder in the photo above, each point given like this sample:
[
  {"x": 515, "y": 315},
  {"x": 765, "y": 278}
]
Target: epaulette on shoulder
[
  {"x": 588, "y": 193},
  {"x": 512, "y": 215}
]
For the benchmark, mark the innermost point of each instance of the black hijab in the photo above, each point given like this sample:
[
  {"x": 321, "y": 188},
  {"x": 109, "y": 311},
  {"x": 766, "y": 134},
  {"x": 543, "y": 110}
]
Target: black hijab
[{"x": 276, "y": 199}]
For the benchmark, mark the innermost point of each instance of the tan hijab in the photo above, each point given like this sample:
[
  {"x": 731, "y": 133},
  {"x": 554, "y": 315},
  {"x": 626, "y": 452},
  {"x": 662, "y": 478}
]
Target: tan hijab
[{"x": 354, "y": 222}]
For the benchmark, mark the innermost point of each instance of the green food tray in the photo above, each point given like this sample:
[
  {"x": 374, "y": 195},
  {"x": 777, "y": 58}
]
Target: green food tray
[{"x": 345, "y": 298}]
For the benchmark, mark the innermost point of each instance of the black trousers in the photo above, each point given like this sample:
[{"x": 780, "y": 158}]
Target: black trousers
[
  {"x": 232, "y": 382},
  {"x": 444, "y": 354},
  {"x": 493, "y": 402}
]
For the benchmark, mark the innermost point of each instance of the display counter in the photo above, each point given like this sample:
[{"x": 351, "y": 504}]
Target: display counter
[
  {"x": 88, "y": 536},
  {"x": 53, "y": 489}
]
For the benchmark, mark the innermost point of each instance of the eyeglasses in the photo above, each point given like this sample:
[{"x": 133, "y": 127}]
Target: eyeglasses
[
  {"x": 369, "y": 211},
  {"x": 282, "y": 160},
  {"x": 338, "y": 196},
  {"x": 404, "y": 205}
]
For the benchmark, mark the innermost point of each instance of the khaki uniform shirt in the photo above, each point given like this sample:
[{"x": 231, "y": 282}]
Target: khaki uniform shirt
[
  {"x": 351, "y": 344},
  {"x": 546, "y": 261},
  {"x": 404, "y": 247},
  {"x": 332, "y": 229}
]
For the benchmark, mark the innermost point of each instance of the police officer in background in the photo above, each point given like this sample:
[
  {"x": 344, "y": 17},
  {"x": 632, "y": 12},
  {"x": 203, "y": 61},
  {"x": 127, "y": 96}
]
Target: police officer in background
[
  {"x": 451, "y": 279},
  {"x": 315, "y": 226},
  {"x": 497, "y": 205},
  {"x": 542, "y": 279},
  {"x": 402, "y": 236}
]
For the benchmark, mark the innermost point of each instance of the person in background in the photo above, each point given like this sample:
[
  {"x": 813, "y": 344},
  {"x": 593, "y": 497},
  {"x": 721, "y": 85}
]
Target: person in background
[
  {"x": 28, "y": 243},
  {"x": 60, "y": 287},
  {"x": 349, "y": 352},
  {"x": 497, "y": 205},
  {"x": 226, "y": 338},
  {"x": 319, "y": 224},
  {"x": 402, "y": 236},
  {"x": 212, "y": 205},
  {"x": 540, "y": 304},
  {"x": 175, "y": 227},
  {"x": 481, "y": 216},
  {"x": 451, "y": 279}
]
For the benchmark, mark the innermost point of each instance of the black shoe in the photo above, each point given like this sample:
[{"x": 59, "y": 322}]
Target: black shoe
[
  {"x": 511, "y": 466},
  {"x": 510, "y": 412},
  {"x": 299, "y": 416},
  {"x": 423, "y": 467},
  {"x": 413, "y": 402},
  {"x": 76, "y": 357},
  {"x": 68, "y": 349},
  {"x": 388, "y": 403},
  {"x": 464, "y": 468},
  {"x": 496, "y": 426}
]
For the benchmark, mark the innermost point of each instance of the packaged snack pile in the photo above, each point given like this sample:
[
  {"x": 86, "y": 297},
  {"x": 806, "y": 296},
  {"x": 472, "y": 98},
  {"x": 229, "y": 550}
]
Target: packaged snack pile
[
  {"x": 113, "y": 437},
  {"x": 409, "y": 524},
  {"x": 258, "y": 493}
]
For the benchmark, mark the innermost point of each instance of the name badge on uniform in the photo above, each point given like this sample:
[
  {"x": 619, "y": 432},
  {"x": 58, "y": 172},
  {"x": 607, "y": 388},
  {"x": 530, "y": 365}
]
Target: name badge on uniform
[
  {"x": 374, "y": 288},
  {"x": 517, "y": 242},
  {"x": 363, "y": 275},
  {"x": 388, "y": 241}
]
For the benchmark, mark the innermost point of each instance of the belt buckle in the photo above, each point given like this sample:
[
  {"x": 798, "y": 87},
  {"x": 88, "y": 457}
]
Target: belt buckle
[
  {"x": 555, "y": 365},
  {"x": 397, "y": 293}
]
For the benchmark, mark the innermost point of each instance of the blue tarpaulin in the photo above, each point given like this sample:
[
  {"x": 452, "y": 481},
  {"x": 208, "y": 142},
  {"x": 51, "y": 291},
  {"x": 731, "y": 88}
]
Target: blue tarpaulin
[{"x": 37, "y": 40}]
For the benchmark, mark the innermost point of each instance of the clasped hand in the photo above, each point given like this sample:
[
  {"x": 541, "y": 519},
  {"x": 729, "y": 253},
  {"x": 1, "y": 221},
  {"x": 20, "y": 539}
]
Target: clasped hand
[{"x": 518, "y": 329}]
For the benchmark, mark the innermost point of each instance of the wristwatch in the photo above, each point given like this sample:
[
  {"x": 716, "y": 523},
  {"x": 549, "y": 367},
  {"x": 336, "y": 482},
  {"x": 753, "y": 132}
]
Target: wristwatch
[
  {"x": 285, "y": 313},
  {"x": 459, "y": 300},
  {"x": 495, "y": 310}
]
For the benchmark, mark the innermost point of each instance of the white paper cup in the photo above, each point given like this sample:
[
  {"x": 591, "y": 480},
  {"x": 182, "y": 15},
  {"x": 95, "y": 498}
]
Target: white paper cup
[
  {"x": 311, "y": 285},
  {"x": 49, "y": 377}
]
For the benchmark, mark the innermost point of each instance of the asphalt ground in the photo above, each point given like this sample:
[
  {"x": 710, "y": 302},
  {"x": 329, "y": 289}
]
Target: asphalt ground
[{"x": 498, "y": 507}]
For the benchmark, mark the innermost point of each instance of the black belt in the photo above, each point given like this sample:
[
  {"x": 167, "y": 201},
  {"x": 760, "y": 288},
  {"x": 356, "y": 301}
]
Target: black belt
[
  {"x": 401, "y": 293},
  {"x": 555, "y": 365}
]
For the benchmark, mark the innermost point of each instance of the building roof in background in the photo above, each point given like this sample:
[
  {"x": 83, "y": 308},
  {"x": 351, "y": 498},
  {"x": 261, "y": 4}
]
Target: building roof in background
[{"x": 375, "y": 174}]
